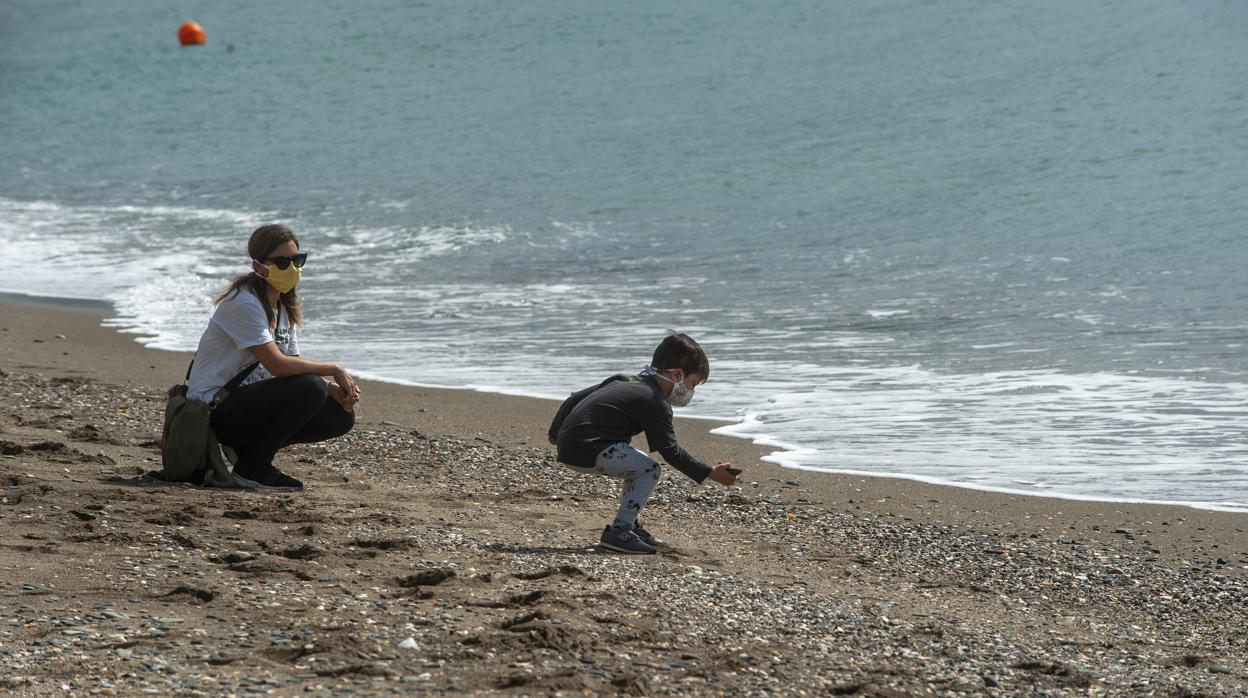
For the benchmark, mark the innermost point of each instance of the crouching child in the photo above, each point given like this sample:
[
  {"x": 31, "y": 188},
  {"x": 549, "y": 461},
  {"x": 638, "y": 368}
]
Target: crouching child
[{"x": 594, "y": 426}]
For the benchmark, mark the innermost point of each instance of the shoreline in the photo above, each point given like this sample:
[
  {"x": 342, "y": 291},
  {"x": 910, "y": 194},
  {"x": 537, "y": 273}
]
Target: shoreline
[
  {"x": 752, "y": 448},
  {"x": 86, "y": 305}
]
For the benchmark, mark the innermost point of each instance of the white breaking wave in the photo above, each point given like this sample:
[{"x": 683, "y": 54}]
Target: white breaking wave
[
  {"x": 1092, "y": 436},
  {"x": 100, "y": 251},
  {"x": 382, "y": 253},
  {"x": 161, "y": 265}
]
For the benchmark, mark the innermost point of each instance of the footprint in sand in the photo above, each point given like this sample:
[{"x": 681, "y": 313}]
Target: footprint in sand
[
  {"x": 302, "y": 552},
  {"x": 565, "y": 570},
  {"x": 194, "y": 596}
]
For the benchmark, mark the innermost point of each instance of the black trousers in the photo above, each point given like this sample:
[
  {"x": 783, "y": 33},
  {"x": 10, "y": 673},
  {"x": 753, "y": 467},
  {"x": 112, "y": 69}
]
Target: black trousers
[{"x": 259, "y": 419}]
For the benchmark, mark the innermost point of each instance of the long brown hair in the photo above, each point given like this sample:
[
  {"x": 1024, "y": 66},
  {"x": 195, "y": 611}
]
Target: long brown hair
[{"x": 263, "y": 241}]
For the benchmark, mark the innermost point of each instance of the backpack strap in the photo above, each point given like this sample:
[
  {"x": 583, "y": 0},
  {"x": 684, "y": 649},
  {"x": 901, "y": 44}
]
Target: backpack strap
[
  {"x": 242, "y": 376},
  {"x": 225, "y": 391}
]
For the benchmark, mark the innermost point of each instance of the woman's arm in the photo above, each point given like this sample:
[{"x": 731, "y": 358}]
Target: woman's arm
[{"x": 281, "y": 366}]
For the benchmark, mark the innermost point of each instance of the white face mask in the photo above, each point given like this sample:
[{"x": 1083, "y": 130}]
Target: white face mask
[{"x": 681, "y": 394}]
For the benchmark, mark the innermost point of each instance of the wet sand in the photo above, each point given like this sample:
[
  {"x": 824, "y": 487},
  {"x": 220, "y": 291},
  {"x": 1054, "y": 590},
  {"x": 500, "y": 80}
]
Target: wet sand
[{"x": 444, "y": 519}]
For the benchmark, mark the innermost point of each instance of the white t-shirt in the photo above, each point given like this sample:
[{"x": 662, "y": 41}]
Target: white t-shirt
[{"x": 237, "y": 324}]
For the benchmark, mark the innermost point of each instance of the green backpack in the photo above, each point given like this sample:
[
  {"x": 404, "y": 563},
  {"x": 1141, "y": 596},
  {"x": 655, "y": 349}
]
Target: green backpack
[{"x": 189, "y": 451}]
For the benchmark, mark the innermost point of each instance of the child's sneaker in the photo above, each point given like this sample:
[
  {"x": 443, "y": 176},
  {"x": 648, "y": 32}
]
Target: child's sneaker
[
  {"x": 647, "y": 537},
  {"x": 623, "y": 540}
]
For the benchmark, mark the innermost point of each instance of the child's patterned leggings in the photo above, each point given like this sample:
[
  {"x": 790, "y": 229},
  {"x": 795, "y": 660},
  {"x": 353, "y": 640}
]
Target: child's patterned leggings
[{"x": 639, "y": 472}]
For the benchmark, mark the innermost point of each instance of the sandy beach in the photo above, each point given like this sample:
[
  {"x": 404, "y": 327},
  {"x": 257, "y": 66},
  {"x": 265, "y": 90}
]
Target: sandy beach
[{"x": 440, "y": 548}]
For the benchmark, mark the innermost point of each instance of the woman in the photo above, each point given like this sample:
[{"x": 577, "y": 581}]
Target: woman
[{"x": 282, "y": 400}]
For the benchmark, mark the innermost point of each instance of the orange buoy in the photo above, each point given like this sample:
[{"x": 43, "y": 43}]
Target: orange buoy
[{"x": 191, "y": 34}]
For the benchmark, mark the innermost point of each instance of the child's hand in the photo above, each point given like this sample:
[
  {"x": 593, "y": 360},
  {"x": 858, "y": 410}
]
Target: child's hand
[
  {"x": 553, "y": 441},
  {"x": 721, "y": 475}
]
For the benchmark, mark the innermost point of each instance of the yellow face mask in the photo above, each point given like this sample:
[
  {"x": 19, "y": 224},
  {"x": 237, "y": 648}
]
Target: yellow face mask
[{"x": 283, "y": 279}]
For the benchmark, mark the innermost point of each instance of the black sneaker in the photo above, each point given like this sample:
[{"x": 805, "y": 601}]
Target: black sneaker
[
  {"x": 647, "y": 537},
  {"x": 623, "y": 540},
  {"x": 271, "y": 479}
]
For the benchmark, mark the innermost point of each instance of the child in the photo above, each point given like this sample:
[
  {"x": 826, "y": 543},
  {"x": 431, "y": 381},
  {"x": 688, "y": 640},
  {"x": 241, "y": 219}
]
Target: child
[{"x": 593, "y": 427}]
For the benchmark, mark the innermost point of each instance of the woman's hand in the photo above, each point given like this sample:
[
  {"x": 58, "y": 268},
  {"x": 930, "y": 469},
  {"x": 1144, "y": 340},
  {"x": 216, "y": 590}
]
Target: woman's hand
[
  {"x": 721, "y": 475},
  {"x": 340, "y": 395},
  {"x": 344, "y": 389},
  {"x": 347, "y": 384}
]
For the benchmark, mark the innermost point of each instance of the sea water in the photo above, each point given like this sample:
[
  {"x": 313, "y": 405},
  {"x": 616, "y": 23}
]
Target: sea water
[{"x": 999, "y": 245}]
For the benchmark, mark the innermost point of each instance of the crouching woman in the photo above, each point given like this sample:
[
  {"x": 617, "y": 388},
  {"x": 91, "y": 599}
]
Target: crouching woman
[{"x": 283, "y": 399}]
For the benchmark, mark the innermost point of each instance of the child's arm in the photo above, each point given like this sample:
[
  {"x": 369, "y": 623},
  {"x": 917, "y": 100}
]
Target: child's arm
[
  {"x": 657, "y": 423},
  {"x": 698, "y": 471},
  {"x": 683, "y": 461}
]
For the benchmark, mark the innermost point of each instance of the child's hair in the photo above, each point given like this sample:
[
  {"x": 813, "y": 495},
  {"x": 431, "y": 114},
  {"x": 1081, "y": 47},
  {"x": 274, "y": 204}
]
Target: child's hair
[{"x": 678, "y": 350}]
